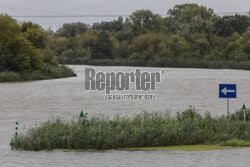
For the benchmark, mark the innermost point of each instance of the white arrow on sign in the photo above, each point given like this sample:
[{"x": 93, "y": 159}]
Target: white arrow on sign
[{"x": 225, "y": 91}]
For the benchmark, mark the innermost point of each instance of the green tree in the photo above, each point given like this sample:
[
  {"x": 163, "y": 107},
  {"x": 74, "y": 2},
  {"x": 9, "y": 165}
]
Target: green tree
[
  {"x": 35, "y": 34},
  {"x": 144, "y": 21},
  {"x": 246, "y": 48},
  {"x": 191, "y": 18},
  {"x": 178, "y": 47},
  {"x": 71, "y": 30},
  {"x": 87, "y": 39},
  {"x": 184, "y": 13},
  {"x": 121, "y": 49},
  {"x": 149, "y": 45},
  {"x": 203, "y": 46},
  {"x": 124, "y": 35},
  {"x": 115, "y": 25},
  {"x": 228, "y": 25},
  {"x": 50, "y": 57},
  {"x": 102, "y": 48},
  {"x": 16, "y": 52},
  {"x": 245, "y": 42},
  {"x": 235, "y": 52}
]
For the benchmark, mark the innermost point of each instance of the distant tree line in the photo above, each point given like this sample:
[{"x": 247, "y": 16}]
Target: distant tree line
[
  {"x": 190, "y": 33},
  {"x": 190, "y": 36}
]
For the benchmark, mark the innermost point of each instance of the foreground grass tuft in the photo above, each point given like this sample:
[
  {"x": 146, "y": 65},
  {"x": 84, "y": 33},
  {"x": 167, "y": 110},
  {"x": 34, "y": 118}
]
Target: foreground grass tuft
[{"x": 142, "y": 130}]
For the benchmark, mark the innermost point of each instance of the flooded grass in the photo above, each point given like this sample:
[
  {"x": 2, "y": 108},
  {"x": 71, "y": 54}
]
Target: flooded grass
[{"x": 146, "y": 130}]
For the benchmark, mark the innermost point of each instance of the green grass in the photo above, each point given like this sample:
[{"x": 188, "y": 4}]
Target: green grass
[
  {"x": 237, "y": 142},
  {"x": 140, "y": 131},
  {"x": 47, "y": 72}
]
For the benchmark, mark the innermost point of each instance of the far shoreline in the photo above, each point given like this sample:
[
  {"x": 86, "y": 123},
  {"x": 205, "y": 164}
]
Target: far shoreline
[
  {"x": 47, "y": 72},
  {"x": 227, "y": 65}
]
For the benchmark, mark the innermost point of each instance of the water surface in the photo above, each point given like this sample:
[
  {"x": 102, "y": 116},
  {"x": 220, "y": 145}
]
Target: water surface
[{"x": 33, "y": 102}]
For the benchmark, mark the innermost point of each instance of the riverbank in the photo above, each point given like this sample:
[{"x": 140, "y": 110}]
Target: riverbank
[
  {"x": 140, "y": 131},
  {"x": 47, "y": 72},
  {"x": 162, "y": 62}
]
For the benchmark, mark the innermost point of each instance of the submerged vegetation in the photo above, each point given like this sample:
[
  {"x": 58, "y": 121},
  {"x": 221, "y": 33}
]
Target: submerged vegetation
[{"x": 142, "y": 130}]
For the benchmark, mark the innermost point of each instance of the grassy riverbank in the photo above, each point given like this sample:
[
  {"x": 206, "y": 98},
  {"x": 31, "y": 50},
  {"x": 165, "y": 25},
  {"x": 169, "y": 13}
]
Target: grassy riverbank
[
  {"x": 46, "y": 72},
  {"x": 143, "y": 130}
]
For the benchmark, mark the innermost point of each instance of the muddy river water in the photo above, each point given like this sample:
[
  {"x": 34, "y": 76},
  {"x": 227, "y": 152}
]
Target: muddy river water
[{"x": 31, "y": 103}]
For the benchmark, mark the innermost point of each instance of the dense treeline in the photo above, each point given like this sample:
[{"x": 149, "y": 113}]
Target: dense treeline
[
  {"x": 24, "y": 54},
  {"x": 190, "y": 33},
  {"x": 190, "y": 36}
]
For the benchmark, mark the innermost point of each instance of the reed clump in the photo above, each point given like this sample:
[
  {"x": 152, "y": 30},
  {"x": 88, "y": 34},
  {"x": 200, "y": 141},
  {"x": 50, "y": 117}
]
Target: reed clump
[{"x": 142, "y": 130}]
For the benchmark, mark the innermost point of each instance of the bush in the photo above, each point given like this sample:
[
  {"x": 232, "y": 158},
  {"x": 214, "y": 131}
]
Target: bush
[
  {"x": 9, "y": 76},
  {"x": 46, "y": 72},
  {"x": 57, "y": 72},
  {"x": 236, "y": 142}
]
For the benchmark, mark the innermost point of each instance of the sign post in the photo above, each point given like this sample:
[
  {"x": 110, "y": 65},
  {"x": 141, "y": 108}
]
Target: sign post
[
  {"x": 244, "y": 110},
  {"x": 227, "y": 91}
]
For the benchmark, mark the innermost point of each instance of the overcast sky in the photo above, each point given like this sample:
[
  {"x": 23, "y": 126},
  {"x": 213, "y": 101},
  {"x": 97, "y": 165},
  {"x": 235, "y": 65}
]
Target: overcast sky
[{"x": 96, "y": 7}]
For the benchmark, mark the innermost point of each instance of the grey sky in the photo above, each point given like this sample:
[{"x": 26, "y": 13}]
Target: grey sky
[{"x": 94, "y": 7}]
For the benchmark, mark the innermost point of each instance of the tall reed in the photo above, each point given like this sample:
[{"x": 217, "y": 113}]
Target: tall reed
[{"x": 142, "y": 130}]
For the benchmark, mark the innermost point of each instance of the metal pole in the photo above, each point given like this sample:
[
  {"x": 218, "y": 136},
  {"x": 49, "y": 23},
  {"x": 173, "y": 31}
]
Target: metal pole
[
  {"x": 227, "y": 106},
  {"x": 16, "y": 132},
  {"x": 244, "y": 115}
]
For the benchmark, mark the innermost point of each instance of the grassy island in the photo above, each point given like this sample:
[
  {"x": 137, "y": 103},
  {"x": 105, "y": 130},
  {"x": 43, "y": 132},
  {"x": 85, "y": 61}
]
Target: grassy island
[{"x": 142, "y": 131}]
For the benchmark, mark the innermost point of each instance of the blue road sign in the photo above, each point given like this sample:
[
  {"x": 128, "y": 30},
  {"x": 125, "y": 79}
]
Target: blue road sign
[{"x": 227, "y": 90}]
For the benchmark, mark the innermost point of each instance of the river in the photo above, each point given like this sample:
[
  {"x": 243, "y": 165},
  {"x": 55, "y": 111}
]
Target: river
[
  {"x": 31, "y": 103},
  {"x": 54, "y": 23}
]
